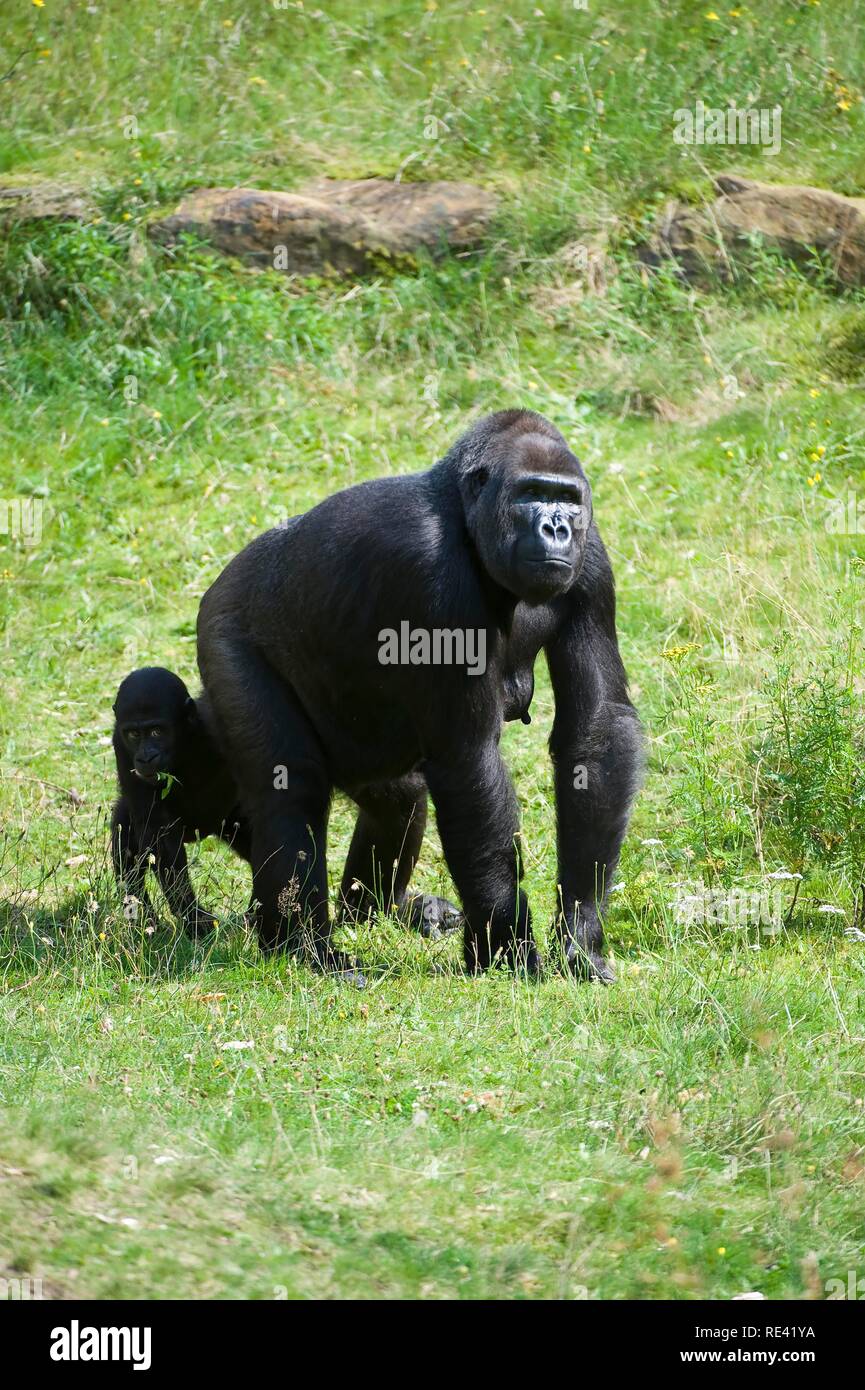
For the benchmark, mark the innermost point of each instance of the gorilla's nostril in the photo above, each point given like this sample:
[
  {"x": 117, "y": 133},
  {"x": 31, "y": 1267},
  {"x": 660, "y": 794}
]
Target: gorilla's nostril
[{"x": 555, "y": 531}]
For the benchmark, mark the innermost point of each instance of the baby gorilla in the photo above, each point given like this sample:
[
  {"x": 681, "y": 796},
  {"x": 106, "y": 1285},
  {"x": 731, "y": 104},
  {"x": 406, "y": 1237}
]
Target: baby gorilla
[{"x": 175, "y": 787}]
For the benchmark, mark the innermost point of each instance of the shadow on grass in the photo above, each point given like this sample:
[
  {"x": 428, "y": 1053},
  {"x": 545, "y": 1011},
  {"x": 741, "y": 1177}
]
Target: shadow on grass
[{"x": 86, "y": 933}]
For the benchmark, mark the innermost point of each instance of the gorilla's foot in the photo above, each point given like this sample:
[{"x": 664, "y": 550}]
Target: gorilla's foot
[
  {"x": 431, "y": 916},
  {"x": 588, "y": 965}
]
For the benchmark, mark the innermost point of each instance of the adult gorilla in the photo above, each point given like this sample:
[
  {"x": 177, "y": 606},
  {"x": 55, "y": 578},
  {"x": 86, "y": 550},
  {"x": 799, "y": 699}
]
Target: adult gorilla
[{"x": 496, "y": 545}]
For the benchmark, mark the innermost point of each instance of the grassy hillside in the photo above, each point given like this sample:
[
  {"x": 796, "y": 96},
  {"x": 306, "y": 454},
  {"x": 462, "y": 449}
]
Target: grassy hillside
[{"x": 699, "y": 1128}]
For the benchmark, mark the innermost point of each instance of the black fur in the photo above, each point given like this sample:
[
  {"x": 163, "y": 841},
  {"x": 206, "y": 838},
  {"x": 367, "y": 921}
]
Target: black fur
[
  {"x": 498, "y": 536},
  {"x": 174, "y": 788}
]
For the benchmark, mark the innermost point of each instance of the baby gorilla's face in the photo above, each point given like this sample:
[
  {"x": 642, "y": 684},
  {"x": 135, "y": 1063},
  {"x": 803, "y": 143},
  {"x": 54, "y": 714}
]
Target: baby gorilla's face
[
  {"x": 151, "y": 747},
  {"x": 152, "y": 710}
]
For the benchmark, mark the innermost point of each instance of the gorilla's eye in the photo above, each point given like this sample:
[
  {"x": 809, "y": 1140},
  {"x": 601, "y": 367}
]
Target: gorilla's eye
[
  {"x": 156, "y": 733},
  {"x": 550, "y": 492},
  {"x": 478, "y": 479},
  {"x": 132, "y": 736}
]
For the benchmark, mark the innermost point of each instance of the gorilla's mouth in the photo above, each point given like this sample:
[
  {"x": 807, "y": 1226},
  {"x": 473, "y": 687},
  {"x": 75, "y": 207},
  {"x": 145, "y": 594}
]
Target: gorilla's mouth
[
  {"x": 543, "y": 579},
  {"x": 149, "y": 776},
  {"x": 551, "y": 563}
]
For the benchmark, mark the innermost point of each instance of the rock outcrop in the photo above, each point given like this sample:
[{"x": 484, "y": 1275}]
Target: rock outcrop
[
  {"x": 46, "y": 202},
  {"x": 347, "y": 227},
  {"x": 796, "y": 220}
]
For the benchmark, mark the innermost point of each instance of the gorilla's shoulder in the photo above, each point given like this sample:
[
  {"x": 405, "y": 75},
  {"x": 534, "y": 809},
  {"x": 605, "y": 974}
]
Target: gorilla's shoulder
[
  {"x": 596, "y": 576},
  {"x": 410, "y": 511}
]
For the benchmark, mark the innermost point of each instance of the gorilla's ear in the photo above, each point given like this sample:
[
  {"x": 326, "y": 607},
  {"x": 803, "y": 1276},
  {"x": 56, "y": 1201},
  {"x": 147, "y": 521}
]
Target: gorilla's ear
[
  {"x": 477, "y": 479},
  {"x": 114, "y": 709},
  {"x": 189, "y": 711}
]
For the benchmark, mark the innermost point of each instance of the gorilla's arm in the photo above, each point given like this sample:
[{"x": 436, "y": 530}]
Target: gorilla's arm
[
  {"x": 153, "y": 839},
  {"x": 172, "y": 871},
  {"x": 596, "y": 749},
  {"x": 129, "y": 867},
  {"x": 145, "y": 835},
  {"x": 477, "y": 817}
]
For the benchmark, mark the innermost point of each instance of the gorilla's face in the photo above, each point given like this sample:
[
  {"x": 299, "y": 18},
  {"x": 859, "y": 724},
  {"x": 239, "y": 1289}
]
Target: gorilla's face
[
  {"x": 528, "y": 512},
  {"x": 152, "y": 712},
  {"x": 150, "y": 744}
]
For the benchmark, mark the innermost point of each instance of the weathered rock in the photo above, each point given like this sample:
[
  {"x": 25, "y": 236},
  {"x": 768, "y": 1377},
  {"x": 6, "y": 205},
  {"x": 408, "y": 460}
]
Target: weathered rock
[
  {"x": 344, "y": 226},
  {"x": 57, "y": 202},
  {"x": 434, "y": 215},
  {"x": 792, "y": 218},
  {"x": 282, "y": 231}
]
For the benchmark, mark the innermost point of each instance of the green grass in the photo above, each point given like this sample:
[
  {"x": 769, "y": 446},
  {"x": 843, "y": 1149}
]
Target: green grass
[{"x": 694, "y": 1131}]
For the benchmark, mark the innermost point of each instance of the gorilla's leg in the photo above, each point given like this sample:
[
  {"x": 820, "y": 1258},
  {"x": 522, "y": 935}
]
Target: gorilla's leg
[
  {"x": 285, "y": 789},
  {"x": 172, "y": 869},
  {"x": 384, "y": 850},
  {"x": 476, "y": 810},
  {"x": 289, "y": 867},
  {"x": 130, "y": 867},
  {"x": 137, "y": 847}
]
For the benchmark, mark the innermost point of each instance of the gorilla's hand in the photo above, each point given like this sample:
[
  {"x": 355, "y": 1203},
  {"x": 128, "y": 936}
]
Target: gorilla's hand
[
  {"x": 581, "y": 947},
  {"x": 433, "y": 917}
]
